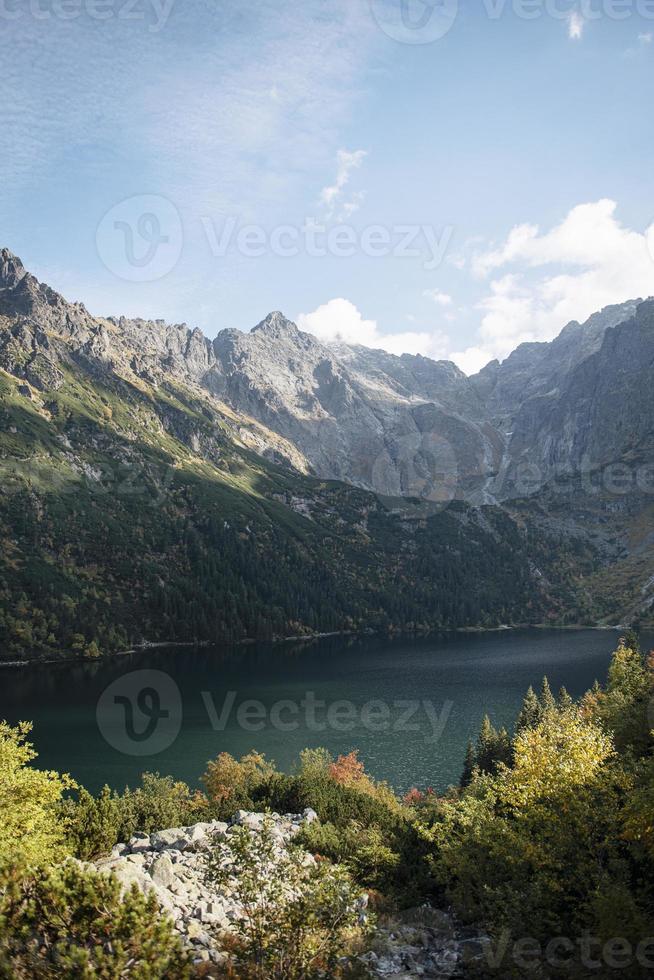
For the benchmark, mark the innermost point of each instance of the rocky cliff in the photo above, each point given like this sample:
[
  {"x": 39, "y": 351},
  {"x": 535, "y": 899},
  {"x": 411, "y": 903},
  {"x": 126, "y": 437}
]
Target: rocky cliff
[
  {"x": 399, "y": 426},
  {"x": 142, "y": 461}
]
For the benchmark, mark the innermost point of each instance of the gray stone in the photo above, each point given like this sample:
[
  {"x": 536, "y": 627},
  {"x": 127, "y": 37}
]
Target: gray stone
[{"x": 163, "y": 871}]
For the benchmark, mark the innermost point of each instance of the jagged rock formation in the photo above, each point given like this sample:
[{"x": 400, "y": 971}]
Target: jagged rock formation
[
  {"x": 152, "y": 405},
  {"x": 415, "y": 427},
  {"x": 400, "y": 426}
]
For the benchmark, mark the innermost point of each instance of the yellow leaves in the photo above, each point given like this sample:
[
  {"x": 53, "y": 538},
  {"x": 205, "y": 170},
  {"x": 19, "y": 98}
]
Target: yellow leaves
[
  {"x": 563, "y": 752},
  {"x": 225, "y": 776},
  {"x": 29, "y": 797}
]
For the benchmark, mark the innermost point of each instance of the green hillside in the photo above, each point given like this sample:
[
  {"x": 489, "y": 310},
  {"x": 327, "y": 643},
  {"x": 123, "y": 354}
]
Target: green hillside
[{"x": 132, "y": 512}]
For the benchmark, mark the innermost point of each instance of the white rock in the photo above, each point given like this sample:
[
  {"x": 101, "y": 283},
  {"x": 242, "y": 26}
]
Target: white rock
[
  {"x": 175, "y": 838},
  {"x": 163, "y": 871}
]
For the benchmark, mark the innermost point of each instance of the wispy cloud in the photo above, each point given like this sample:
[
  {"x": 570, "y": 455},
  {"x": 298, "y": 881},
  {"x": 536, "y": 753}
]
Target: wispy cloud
[
  {"x": 441, "y": 299},
  {"x": 332, "y": 197},
  {"x": 223, "y": 108},
  {"x": 230, "y": 110}
]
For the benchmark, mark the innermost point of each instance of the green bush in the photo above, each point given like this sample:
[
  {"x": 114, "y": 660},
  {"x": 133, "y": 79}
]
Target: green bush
[
  {"x": 300, "y": 919},
  {"x": 30, "y": 826},
  {"x": 379, "y": 841},
  {"x": 559, "y": 841},
  {"x": 68, "y": 923},
  {"x": 95, "y": 824}
]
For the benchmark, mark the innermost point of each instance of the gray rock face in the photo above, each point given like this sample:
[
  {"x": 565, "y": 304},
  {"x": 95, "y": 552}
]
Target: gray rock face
[
  {"x": 11, "y": 269},
  {"x": 410, "y": 426},
  {"x": 400, "y": 426}
]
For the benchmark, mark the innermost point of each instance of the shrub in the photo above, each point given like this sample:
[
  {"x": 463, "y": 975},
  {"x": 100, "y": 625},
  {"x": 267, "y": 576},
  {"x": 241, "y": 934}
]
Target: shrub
[
  {"x": 72, "y": 924},
  {"x": 623, "y": 708},
  {"x": 230, "y": 783},
  {"x": 95, "y": 824},
  {"x": 299, "y": 918},
  {"x": 30, "y": 826},
  {"x": 364, "y": 851}
]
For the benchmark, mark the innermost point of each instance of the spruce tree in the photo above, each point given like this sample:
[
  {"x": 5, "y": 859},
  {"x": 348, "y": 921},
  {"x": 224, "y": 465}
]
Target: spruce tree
[
  {"x": 565, "y": 701},
  {"x": 547, "y": 701},
  {"x": 503, "y": 748},
  {"x": 493, "y": 747},
  {"x": 469, "y": 765},
  {"x": 530, "y": 713}
]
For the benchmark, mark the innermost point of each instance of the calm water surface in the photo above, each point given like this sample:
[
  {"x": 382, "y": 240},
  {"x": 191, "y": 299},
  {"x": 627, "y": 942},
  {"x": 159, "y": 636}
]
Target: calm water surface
[{"x": 461, "y": 677}]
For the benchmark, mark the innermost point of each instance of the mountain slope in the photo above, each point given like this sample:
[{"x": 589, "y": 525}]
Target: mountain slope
[{"x": 135, "y": 508}]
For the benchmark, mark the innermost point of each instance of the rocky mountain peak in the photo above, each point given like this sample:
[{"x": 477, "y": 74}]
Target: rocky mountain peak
[
  {"x": 276, "y": 325},
  {"x": 12, "y": 269}
]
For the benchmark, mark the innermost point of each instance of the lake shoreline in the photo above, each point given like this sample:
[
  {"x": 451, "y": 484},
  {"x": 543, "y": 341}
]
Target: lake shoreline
[{"x": 306, "y": 638}]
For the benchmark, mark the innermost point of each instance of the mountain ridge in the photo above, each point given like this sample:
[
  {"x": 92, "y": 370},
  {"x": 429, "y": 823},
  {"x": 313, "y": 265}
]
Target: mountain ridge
[
  {"x": 398, "y": 425},
  {"x": 142, "y": 462}
]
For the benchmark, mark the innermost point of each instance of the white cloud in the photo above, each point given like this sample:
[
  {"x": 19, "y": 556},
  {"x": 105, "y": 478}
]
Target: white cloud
[
  {"x": 332, "y": 197},
  {"x": 594, "y": 261},
  {"x": 646, "y": 38},
  {"x": 340, "y": 320},
  {"x": 441, "y": 299},
  {"x": 576, "y": 24}
]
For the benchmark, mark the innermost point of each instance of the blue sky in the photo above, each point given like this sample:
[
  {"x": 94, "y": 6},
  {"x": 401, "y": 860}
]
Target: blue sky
[{"x": 453, "y": 186}]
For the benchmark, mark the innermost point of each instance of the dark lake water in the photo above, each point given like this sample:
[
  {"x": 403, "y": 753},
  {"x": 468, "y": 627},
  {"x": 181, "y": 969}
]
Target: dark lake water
[{"x": 409, "y": 706}]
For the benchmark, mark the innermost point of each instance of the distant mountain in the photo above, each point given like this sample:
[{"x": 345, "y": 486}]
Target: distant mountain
[
  {"x": 416, "y": 427},
  {"x": 159, "y": 485},
  {"x": 399, "y": 426}
]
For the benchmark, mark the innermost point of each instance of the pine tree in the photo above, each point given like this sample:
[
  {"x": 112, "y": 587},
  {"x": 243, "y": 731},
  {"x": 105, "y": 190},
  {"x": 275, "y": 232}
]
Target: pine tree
[
  {"x": 469, "y": 766},
  {"x": 530, "y": 713},
  {"x": 547, "y": 701},
  {"x": 565, "y": 701},
  {"x": 493, "y": 747},
  {"x": 631, "y": 641},
  {"x": 503, "y": 748}
]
